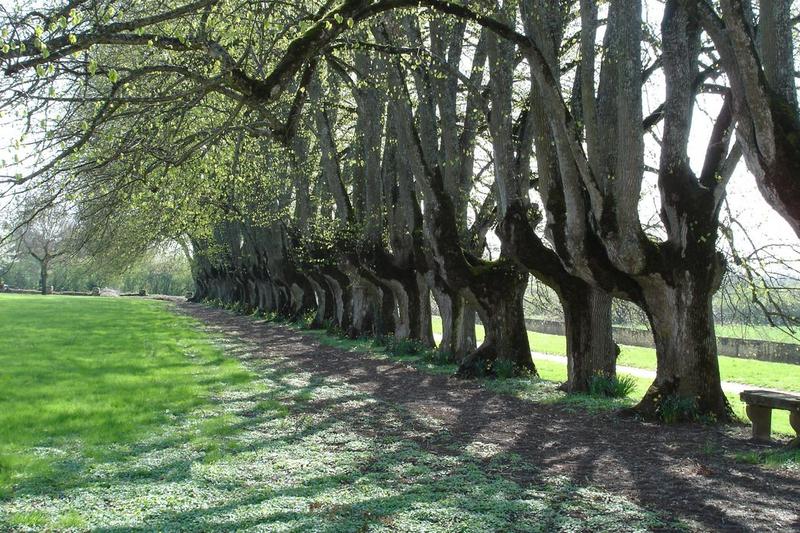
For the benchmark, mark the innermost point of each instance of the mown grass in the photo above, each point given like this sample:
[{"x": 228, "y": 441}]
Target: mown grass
[
  {"x": 258, "y": 445},
  {"x": 91, "y": 372},
  {"x": 746, "y": 371}
]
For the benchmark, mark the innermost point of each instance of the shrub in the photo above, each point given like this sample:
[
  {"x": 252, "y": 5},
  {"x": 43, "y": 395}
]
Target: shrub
[
  {"x": 306, "y": 321},
  {"x": 603, "y": 385},
  {"x": 335, "y": 331}
]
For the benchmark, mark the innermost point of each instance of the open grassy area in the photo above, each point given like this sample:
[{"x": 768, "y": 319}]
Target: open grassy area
[
  {"x": 119, "y": 416},
  {"x": 82, "y": 374}
]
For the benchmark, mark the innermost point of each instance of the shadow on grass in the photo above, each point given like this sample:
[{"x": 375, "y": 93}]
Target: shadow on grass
[{"x": 301, "y": 451}]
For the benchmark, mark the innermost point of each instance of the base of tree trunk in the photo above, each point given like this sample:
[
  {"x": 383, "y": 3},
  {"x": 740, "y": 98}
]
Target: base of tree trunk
[{"x": 664, "y": 403}]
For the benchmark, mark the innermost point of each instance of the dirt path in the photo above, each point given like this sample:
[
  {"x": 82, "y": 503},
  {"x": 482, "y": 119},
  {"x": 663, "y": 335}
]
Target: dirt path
[{"x": 685, "y": 470}]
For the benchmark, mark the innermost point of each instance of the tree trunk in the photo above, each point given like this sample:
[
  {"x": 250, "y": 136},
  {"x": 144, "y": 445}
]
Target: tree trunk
[
  {"x": 687, "y": 383},
  {"x": 505, "y": 350},
  {"x": 326, "y": 312},
  {"x": 458, "y": 325},
  {"x": 340, "y": 287},
  {"x": 384, "y": 305},
  {"x": 590, "y": 347},
  {"x": 43, "y": 276},
  {"x": 419, "y": 311},
  {"x": 361, "y": 310}
]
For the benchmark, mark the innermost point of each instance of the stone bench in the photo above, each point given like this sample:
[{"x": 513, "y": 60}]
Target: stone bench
[{"x": 760, "y": 404}]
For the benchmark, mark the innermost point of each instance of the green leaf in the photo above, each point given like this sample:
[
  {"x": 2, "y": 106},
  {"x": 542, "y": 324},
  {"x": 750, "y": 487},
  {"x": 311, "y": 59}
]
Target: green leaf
[
  {"x": 113, "y": 75},
  {"x": 72, "y": 38},
  {"x": 92, "y": 68}
]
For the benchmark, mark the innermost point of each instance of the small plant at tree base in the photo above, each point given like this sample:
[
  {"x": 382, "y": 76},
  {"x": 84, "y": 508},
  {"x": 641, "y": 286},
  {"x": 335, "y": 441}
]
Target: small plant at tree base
[
  {"x": 306, "y": 321},
  {"x": 382, "y": 341},
  {"x": 674, "y": 408},
  {"x": 439, "y": 357},
  {"x": 399, "y": 347},
  {"x": 603, "y": 385},
  {"x": 335, "y": 331},
  {"x": 504, "y": 369}
]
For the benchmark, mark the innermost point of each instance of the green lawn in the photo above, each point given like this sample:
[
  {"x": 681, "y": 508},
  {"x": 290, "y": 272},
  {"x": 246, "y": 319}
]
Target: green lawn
[
  {"x": 118, "y": 416},
  {"x": 92, "y": 372},
  {"x": 757, "y": 373}
]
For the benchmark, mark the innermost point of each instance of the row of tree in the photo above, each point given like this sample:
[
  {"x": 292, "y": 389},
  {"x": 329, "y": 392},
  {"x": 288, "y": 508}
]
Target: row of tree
[{"x": 355, "y": 158}]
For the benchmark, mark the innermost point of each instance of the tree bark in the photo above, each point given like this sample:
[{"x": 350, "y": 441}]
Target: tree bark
[
  {"x": 682, "y": 320},
  {"x": 458, "y": 325},
  {"x": 43, "y": 266},
  {"x": 591, "y": 349},
  {"x": 498, "y": 291}
]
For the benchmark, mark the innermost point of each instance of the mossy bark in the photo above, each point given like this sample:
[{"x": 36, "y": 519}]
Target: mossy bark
[{"x": 687, "y": 373}]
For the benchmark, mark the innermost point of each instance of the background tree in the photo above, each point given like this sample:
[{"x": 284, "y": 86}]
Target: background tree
[{"x": 48, "y": 235}]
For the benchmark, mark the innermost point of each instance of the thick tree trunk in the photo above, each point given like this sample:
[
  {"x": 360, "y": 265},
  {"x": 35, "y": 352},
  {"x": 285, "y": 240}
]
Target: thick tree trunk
[
  {"x": 326, "y": 311},
  {"x": 590, "y": 347},
  {"x": 340, "y": 288},
  {"x": 304, "y": 300},
  {"x": 417, "y": 310},
  {"x": 505, "y": 349},
  {"x": 687, "y": 383},
  {"x": 458, "y": 325},
  {"x": 265, "y": 300},
  {"x": 384, "y": 305}
]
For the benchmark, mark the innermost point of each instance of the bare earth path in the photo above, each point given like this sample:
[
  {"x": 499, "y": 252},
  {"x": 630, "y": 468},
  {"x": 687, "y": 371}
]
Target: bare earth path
[{"x": 687, "y": 471}]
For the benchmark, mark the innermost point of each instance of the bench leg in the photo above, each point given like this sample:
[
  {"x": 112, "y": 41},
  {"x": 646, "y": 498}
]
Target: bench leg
[
  {"x": 794, "y": 420},
  {"x": 761, "y": 417}
]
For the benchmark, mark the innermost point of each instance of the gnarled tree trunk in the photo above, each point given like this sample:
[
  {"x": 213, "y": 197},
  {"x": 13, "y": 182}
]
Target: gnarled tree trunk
[{"x": 687, "y": 376}]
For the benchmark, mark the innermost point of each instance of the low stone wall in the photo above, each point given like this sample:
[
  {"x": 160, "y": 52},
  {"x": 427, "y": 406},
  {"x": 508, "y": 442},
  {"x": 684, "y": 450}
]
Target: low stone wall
[
  {"x": 780, "y": 352},
  {"x": 20, "y": 291},
  {"x": 56, "y": 293}
]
